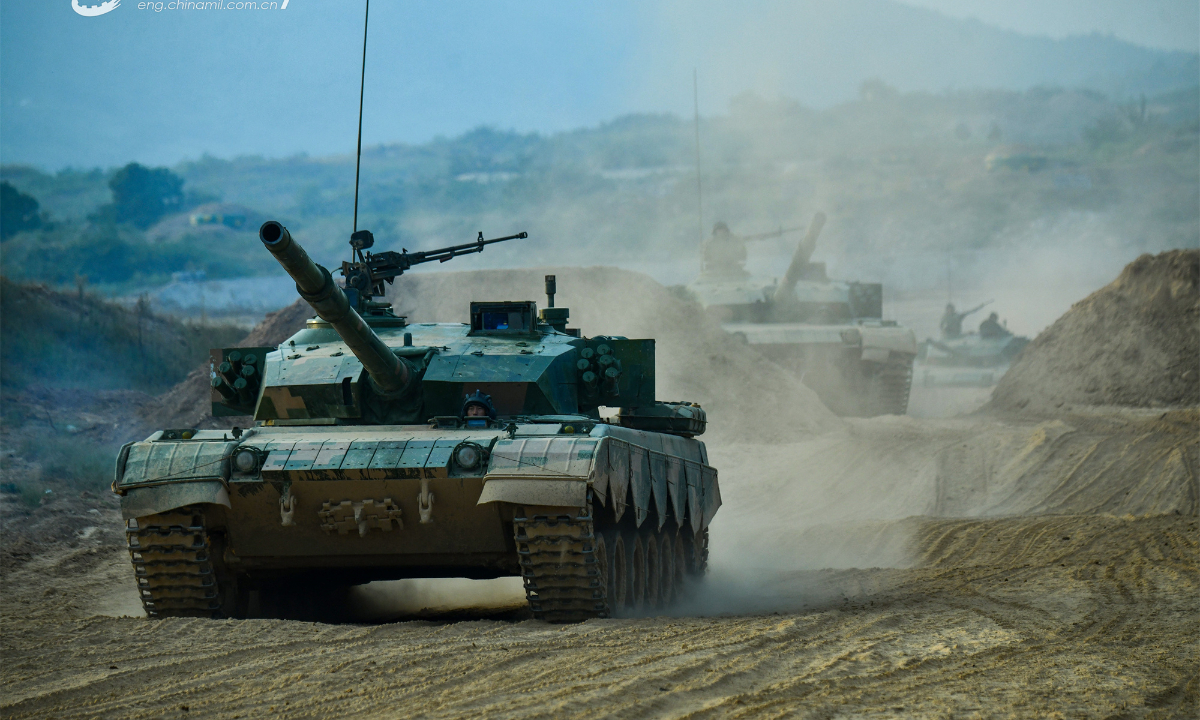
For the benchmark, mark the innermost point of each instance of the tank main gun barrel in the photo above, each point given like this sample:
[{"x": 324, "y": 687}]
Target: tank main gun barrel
[
  {"x": 800, "y": 259},
  {"x": 314, "y": 283}
]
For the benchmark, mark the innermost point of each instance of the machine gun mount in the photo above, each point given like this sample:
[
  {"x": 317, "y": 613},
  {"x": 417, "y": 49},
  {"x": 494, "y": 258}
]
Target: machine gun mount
[{"x": 367, "y": 273}]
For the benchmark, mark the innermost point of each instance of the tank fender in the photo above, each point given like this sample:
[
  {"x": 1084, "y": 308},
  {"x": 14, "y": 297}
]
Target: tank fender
[
  {"x": 535, "y": 491},
  {"x": 540, "y": 471},
  {"x": 139, "y": 502},
  {"x": 623, "y": 474},
  {"x": 877, "y": 340}
]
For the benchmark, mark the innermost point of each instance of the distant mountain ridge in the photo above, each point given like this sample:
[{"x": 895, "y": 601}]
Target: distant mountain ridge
[
  {"x": 163, "y": 90},
  {"x": 911, "y": 48}
]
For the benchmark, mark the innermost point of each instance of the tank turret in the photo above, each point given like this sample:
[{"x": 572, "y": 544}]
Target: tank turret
[
  {"x": 390, "y": 374},
  {"x": 831, "y": 333}
]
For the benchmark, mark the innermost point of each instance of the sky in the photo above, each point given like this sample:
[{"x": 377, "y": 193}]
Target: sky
[
  {"x": 1161, "y": 24},
  {"x": 159, "y": 85}
]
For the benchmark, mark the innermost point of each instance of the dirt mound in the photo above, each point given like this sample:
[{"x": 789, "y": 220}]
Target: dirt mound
[
  {"x": 80, "y": 340},
  {"x": 745, "y": 395},
  {"x": 279, "y": 325},
  {"x": 1134, "y": 342},
  {"x": 833, "y": 499},
  {"x": 100, "y": 417},
  {"x": 188, "y": 404}
]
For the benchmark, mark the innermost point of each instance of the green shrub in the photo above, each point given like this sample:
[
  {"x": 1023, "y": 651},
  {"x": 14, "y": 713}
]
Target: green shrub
[
  {"x": 79, "y": 463},
  {"x": 31, "y": 495}
]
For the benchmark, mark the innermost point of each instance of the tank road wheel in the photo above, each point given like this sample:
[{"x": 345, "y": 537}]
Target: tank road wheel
[
  {"x": 611, "y": 556},
  {"x": 603, "y": 570},
  {"x": 234, "y": 593},
  {"x": 666, "y": 570},
  {"x": 635, "y": 561},
  {"x": 178, "y": 571},
  {"x": 653, "y": 567},
  {"x": 680, "y": 563}
]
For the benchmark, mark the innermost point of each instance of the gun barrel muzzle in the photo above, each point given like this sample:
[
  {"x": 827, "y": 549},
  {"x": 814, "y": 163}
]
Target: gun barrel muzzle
[
  {"x": 292, "y": 257},
  {"x": 314, "y": 283}
]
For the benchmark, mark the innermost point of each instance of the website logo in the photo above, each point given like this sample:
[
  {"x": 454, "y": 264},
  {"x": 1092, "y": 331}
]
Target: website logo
[{"x": 94, "y": 10}]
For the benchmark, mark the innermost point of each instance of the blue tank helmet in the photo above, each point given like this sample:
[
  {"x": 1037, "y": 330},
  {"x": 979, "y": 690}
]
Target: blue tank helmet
[{"x": 478, "y": 399}]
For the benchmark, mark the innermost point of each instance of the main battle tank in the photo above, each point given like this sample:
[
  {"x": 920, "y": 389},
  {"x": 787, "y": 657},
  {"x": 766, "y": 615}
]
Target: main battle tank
[
  {"x": 384, "y": 450},
  {"x": 972, "y": 358},
  {"x": 831, "y": 334}
]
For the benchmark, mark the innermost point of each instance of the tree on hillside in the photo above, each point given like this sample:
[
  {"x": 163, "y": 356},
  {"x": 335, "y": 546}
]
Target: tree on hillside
[
  {"x": 18, "y": 211},
  {"x": 142, "y": 195}
]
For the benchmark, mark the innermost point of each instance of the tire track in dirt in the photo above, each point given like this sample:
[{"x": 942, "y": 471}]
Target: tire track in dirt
[{"x": 999, "y": 617}]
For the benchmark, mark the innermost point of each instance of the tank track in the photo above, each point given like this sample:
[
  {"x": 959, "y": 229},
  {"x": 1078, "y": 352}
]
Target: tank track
[
  {"x": 172, "y": 564},
  {"x": 890, "y": 388},
  {"x": 562, "y": 572},
  {"x": 560, "y": 568}
]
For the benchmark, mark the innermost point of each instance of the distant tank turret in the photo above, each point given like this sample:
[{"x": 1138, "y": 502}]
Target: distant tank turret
[{"x": 831, "y": 334}]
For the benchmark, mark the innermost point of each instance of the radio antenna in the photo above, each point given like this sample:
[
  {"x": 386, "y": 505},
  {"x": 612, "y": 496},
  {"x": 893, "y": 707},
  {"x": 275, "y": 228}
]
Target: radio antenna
[
  {"x": 361, "y": 88},
  {"x": 699, "y": 188}
]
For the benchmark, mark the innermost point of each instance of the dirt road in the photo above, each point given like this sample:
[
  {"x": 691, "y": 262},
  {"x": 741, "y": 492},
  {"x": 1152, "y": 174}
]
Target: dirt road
[{"x": 1063, "y": 616}]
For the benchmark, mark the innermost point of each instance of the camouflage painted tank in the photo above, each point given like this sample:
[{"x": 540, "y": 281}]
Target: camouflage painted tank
[
  {"x": 385, "y": 450},
  {"x": 831, "y": 334}
]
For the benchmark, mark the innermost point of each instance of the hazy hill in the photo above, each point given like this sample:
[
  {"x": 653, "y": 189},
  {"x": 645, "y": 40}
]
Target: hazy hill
[
  {"x": 905, "y": 178},
  {"x": 53, "y": 339}
]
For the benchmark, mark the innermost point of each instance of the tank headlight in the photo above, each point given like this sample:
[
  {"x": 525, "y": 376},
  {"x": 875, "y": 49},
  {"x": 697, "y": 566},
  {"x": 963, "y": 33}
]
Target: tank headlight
[
  {"x": 246, "y": 461},
  {"x": 468, "y": 456}
]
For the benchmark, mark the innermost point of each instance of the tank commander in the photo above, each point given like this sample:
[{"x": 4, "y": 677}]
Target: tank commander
[
  {"x": 991, "y": 328},
  {"x": 478, "y": 405},
  {"x": 724, "y": 252},
  {"x": 951, "y": 324}
]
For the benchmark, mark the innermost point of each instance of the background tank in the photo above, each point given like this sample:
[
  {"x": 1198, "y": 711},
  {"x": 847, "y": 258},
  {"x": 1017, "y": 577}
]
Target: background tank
[
  {"x": 386, "y": 450},
  {"x": 972, "y": 358},
  {"x": 831, "y": 334}
]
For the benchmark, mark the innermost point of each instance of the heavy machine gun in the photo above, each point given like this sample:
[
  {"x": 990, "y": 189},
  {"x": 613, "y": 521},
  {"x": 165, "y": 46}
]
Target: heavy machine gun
[
  {"x": 368, "y": 272},
  {"x": 772, "y": 234},
  {"x": 963, "y": 315}
]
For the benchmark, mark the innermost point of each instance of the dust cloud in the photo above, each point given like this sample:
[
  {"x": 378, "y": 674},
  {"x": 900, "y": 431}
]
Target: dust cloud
[
  {"x": 390, "y": 600},
  {"x": 782, "y": 455},
  {"x": 805, "y": 491}
]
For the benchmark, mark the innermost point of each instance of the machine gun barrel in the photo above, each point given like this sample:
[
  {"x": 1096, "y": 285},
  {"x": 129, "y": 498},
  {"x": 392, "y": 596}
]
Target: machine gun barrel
[
  {"x": 773, "y": 234},
  {"x": 977, "y": 308},
  {"x": 314, "y": 283},
  {"x": 800, "y": 259},
  {"x": 446, "y": 253},
  {"x": 390, "y": 264}
]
